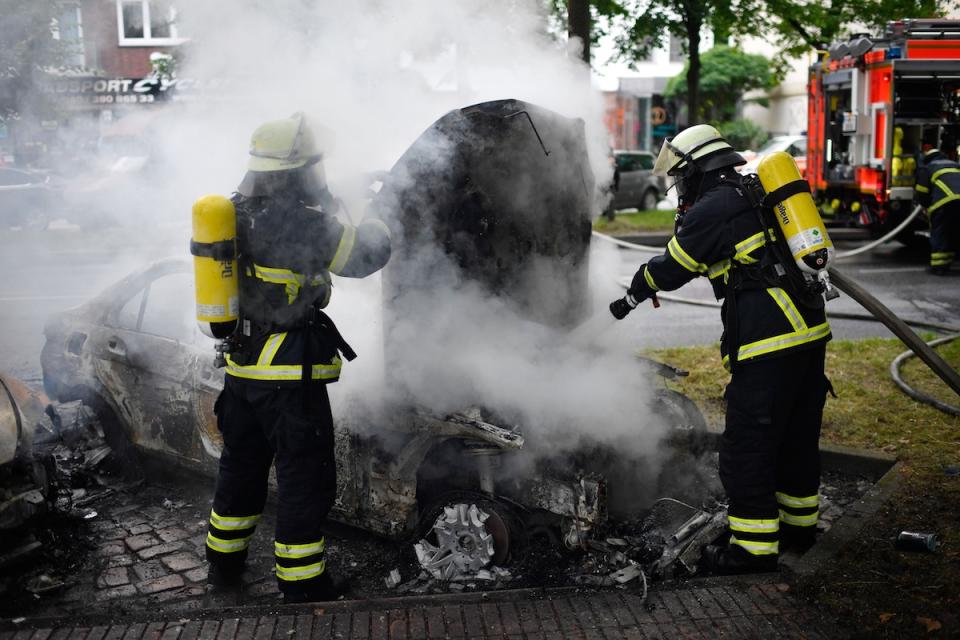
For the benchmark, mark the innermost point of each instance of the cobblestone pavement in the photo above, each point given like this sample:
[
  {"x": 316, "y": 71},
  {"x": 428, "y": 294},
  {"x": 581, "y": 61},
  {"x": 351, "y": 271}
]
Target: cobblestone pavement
[
  {"x": 144, "y": 577},
  {"x": 720, "y": 610},
  {"x": 144, "y": 550}
]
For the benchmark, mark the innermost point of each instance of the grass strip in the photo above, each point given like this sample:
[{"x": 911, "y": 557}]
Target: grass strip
[
  {"x": 873, "y": 587},
  {"x": 625, "y": 223}
]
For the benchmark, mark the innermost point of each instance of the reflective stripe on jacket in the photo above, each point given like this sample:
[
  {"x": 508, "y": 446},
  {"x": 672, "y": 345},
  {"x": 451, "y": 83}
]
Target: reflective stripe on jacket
[
  {"x": 938, "y": 181},
  {"x": 288, "y": 252},
  {"x": 278, "y": 359},
  {"x": 721, "y": 233}
]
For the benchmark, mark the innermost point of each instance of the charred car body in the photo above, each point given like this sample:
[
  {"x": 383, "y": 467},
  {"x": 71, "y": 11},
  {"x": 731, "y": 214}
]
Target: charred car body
[{"x": 498, "y": 189}]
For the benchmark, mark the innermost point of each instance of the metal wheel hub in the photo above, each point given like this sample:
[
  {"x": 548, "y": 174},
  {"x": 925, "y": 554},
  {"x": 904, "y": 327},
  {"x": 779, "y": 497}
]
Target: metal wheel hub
[{"x": 464, "y": 543}]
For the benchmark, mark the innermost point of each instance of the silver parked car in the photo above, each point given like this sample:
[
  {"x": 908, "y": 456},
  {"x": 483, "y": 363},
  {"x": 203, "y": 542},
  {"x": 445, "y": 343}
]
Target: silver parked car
[{"x": 638, "y": 187}]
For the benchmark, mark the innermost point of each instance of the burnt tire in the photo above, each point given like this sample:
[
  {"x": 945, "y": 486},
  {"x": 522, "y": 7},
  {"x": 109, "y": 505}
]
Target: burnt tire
[
  {"x": 125, "y": 460},
  {"x": 681, "y": 412}
]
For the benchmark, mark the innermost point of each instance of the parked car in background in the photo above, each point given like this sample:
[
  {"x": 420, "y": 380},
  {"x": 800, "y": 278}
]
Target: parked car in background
[
  {"x": 796, "y": 146},
  {"x": 27, "y": 198},
  {"x": 639, "y": 188}
]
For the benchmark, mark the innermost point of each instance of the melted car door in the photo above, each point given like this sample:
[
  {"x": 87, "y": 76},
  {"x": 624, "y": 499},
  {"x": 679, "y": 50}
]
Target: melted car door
[{"x": 145, "y": 361}]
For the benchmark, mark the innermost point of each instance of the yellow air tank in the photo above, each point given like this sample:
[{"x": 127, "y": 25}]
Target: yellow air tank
[
  {"x": 213, "y": 246},
  {"x": 796, "y": 213}
]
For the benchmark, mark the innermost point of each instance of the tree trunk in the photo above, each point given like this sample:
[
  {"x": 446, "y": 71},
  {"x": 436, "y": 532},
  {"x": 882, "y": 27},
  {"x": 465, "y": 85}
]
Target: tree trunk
[
  {"x": 693, "y": 24},
  {"x": 578, "y": 24}
]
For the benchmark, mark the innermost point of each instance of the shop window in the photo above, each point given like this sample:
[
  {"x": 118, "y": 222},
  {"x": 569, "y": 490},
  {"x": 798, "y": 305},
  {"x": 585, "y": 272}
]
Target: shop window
[{"x": 147, "y": 22}]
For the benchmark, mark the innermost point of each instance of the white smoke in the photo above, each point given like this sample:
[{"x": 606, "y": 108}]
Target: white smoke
[{"x": 377, "y": 74}]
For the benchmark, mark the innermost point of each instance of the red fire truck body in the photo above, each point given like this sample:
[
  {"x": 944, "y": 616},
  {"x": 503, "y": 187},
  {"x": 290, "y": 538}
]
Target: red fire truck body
[{"x": 871, "y": 103}]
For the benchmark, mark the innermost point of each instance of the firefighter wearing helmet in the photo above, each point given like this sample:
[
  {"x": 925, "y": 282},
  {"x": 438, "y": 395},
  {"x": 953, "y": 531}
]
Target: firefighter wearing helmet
[
  {"x": 938, "y": 190},
  {"x": 773, "y": 343},
  {"x": 274, "y": 408}
]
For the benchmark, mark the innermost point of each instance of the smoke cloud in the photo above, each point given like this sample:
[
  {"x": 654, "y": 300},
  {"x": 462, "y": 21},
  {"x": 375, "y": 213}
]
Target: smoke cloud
[{"x": 376, "y": 74}]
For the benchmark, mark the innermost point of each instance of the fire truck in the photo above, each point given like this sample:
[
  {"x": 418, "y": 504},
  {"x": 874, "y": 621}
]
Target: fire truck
[{"x": 872, "y": 101}]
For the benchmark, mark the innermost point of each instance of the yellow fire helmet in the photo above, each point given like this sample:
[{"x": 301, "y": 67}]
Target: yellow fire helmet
[
  {"x": 282, "y": 145},
  {"x": 700, "y": 145}
]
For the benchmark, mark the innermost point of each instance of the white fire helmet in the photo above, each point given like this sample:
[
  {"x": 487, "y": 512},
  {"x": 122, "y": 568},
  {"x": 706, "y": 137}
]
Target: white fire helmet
[{"x": 702, "y": 145}]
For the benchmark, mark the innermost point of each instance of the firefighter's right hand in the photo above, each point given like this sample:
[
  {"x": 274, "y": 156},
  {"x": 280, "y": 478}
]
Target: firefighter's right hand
[{"x": 622, "y": 306}]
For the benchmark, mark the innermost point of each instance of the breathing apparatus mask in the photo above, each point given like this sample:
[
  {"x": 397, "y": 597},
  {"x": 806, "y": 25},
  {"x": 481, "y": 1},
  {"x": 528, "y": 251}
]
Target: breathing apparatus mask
[{"x": 286, "y": 160}]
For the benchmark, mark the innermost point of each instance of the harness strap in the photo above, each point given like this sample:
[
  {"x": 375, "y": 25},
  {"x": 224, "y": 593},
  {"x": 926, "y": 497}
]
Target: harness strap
[
  {"x": 319, "y": 322},
  {"x": 782, "y": 193},
  {"x": 221, "y": 251}
]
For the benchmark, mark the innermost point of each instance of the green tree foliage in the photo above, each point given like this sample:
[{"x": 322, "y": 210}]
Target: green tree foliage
[
  {"x": 796, "y": 27},
  {"x": 27, "y": 47},
  {"x": 742, "y": 133},
  {"x": 638, "y": 27},
  {"x": 727, "y": 73}
]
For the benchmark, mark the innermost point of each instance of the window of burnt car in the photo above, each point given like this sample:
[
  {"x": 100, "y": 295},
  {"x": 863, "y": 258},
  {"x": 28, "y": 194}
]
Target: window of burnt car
[
  {"x": 163, "y": 308},
  {"x": 168, "y": 311},
  {"x": 130, "y": 314}
]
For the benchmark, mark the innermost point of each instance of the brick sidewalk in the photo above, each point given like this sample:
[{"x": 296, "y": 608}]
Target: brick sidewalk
[{"x": 704, "y": 609}]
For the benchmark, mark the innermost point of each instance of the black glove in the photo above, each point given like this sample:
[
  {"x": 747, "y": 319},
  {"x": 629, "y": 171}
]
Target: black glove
[{"x": 622, "y": 306}]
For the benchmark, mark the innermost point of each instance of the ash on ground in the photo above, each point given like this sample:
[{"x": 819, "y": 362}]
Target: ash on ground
[{"x": 124, "y": 546}]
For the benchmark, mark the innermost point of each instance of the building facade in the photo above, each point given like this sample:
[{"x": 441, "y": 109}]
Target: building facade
[{"x": 117, "y": 61}]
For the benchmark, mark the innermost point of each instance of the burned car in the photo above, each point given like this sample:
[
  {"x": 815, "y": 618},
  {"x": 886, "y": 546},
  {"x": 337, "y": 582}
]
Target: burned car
[{"x": 490, "y": 207}]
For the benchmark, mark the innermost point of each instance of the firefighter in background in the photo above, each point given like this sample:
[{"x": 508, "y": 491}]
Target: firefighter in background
[
  {"x": 938, "y": 191},
  {"x": 274, "y": 406},
  {"x": 774, "y": 342}
]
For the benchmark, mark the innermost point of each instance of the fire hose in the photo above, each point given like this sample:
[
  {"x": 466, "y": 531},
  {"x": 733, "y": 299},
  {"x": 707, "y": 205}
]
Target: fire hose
[
  {"x": 843, "y": 255},
  {"x": 878, "y": 312},
  {"x": 913, "y": 393}
]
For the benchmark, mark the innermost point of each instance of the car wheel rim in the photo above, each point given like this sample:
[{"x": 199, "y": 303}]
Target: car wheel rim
[{"x": 468, "y": 539}]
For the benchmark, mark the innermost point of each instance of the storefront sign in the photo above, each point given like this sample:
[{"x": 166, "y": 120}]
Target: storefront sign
[{"x": 113, "y": 91}]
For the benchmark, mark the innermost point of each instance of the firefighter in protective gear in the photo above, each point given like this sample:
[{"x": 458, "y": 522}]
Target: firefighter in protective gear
[
  {"x": 773, "y": 342},
  {"x": 938, "y": 190},
  {"x": 274, "y": 407}
]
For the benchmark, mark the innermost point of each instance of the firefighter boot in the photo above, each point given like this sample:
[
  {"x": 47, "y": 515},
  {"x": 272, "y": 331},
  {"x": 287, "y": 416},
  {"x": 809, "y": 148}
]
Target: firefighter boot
[
  {"x": 224, "y": 587},
  {"x": 733, "y": 559},
  {"x": 796, "y": 539},
  {"x": 324, "y": 589}
]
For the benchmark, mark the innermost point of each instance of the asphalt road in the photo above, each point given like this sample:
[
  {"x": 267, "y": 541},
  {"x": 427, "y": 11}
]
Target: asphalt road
[
  {"x": 47, "y": 271},
  {"x": 892, "y": 273},
  {"x": 43, "y": 272}
]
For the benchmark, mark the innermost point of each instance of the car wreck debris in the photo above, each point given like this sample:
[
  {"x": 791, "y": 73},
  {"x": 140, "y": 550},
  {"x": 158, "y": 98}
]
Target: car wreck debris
[{"x": 54, "y": 457}]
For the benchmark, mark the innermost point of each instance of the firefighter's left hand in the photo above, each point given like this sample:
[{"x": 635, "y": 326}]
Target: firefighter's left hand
[{"x": 622, "y": 306}]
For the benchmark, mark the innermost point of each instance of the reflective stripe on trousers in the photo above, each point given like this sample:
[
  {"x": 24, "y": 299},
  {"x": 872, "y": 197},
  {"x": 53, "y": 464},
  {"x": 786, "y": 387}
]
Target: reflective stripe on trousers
[
  {"x": 758, "y": 536},
  {"x": 799, "y": 511},
  {"x": 297, "y": 562},
  {"x": 230, "y": 534}
]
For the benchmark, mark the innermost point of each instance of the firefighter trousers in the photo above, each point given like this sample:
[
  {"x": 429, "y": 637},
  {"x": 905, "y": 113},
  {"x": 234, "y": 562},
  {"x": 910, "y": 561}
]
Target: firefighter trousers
[
  {"x": 944, "y": 235},
  {"x": 769, "y": 452},
  {"x": 261, "y": 425}
]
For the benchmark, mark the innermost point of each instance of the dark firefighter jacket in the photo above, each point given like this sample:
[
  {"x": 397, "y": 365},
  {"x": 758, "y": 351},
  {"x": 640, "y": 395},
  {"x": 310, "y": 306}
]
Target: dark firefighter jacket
[
  {"x": 721, "y": 237},
  {"x": 938, "y": 180},
  {"x": 287, "y": 252}
]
